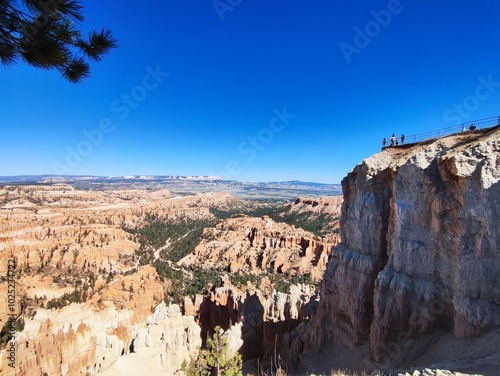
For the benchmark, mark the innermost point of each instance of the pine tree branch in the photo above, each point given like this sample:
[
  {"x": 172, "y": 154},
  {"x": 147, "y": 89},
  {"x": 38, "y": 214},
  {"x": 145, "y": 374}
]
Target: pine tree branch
[{"x": 43, "y": 35}]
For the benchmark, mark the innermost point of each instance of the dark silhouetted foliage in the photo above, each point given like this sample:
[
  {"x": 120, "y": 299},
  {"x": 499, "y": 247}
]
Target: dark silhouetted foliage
[{"x": 43, "y": 34}]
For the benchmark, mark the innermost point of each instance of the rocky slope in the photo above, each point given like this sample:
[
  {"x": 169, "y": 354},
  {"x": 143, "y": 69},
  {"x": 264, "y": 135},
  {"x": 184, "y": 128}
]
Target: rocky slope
[
  {"x": 91, "y": 301},
  {"x": 256, "y": 318},
  {"x": 329, "y": 205},
  {"x": 70, "y": 246},
  {"x": 77, "y": 340},
  {"x": 61, "y": 236},
  {"x": 256, "y": 245},
  {"x": 88, "y": 338},
  {"x": 419, "y": 251}
]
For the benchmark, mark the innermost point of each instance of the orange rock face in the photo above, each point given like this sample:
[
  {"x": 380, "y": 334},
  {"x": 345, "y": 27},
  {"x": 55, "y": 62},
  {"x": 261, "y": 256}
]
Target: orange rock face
[
  {"x": 331, "y": 205},
  {"x": 259, "y": 245},
  {"x": 68, "y": 241},
  {"x": 258, "y": 319},
  {"x": 87, "y": 338},
  {"x": 74, "y": 256}
]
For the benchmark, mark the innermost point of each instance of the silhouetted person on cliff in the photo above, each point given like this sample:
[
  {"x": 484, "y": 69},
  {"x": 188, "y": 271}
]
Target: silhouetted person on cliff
[
  {"x": 402, "y": 139},
  {"x": 393, "y": 139},
  {"x": 384, "y": 142},
  {"x": 472, "y": 127}
]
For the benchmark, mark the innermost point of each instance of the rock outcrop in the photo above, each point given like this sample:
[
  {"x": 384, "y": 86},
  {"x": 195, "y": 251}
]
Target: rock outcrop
[
  {"x": 256, "y": 245},
  {"x": 320, "y": 205},
  {"x": 77, "y": 340},
  {"x": 420, "y": 247},
  {"x": 255, "y": 321},
  {"x": 166, "y": 340},
  {"x": 70, "y": 246},
  {"x": 87, "y": 338}
]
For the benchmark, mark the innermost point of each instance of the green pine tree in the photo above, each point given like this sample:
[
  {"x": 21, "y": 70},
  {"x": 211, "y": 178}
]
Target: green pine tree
[
  {"x": 42, "y": 33},
  {"x": 214, "y": 360}
]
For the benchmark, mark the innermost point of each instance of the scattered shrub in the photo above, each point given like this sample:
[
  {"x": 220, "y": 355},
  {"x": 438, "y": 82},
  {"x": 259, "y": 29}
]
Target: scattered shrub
[{"x": 214, "y": 360}]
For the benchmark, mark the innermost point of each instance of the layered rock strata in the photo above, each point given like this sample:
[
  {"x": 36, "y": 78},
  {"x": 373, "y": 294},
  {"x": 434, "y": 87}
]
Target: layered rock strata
[
  {"x": 256, "y": 245},
  {"x": 320, "y": 205},
  {"x": 256, "y": 321},
  {"x": 77, "y": 340},
  {"x": 64, "y": 239},
  {"x": 420, "y": 246}
]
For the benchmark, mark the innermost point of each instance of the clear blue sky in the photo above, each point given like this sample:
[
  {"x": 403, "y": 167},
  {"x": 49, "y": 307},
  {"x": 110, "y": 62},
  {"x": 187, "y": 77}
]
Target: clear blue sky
[{"x": 232, "y": 69}]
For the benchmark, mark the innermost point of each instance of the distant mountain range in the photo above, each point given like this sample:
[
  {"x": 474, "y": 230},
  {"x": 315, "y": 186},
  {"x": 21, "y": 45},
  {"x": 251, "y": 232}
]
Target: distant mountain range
[{"x": 186, "y": 185}]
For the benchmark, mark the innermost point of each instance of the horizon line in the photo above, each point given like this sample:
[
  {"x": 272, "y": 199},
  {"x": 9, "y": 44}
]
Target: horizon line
[{"x": 139, "y": 176}]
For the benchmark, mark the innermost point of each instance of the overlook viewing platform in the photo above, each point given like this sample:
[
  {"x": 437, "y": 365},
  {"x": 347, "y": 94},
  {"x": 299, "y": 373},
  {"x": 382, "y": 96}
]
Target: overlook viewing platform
[{"x": 413, "y": 139}]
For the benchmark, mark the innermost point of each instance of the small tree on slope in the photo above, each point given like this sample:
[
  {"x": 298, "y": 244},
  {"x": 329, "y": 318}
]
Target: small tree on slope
[{"x": 214, "y": 360}]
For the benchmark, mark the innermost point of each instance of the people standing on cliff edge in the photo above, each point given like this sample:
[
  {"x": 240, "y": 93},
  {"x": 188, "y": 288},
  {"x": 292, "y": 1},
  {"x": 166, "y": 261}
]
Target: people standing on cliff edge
[
  {"x": 402, "y": 139},
  {"x": 393, "y": 139},
  {"x": 384, "y": 142}
]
